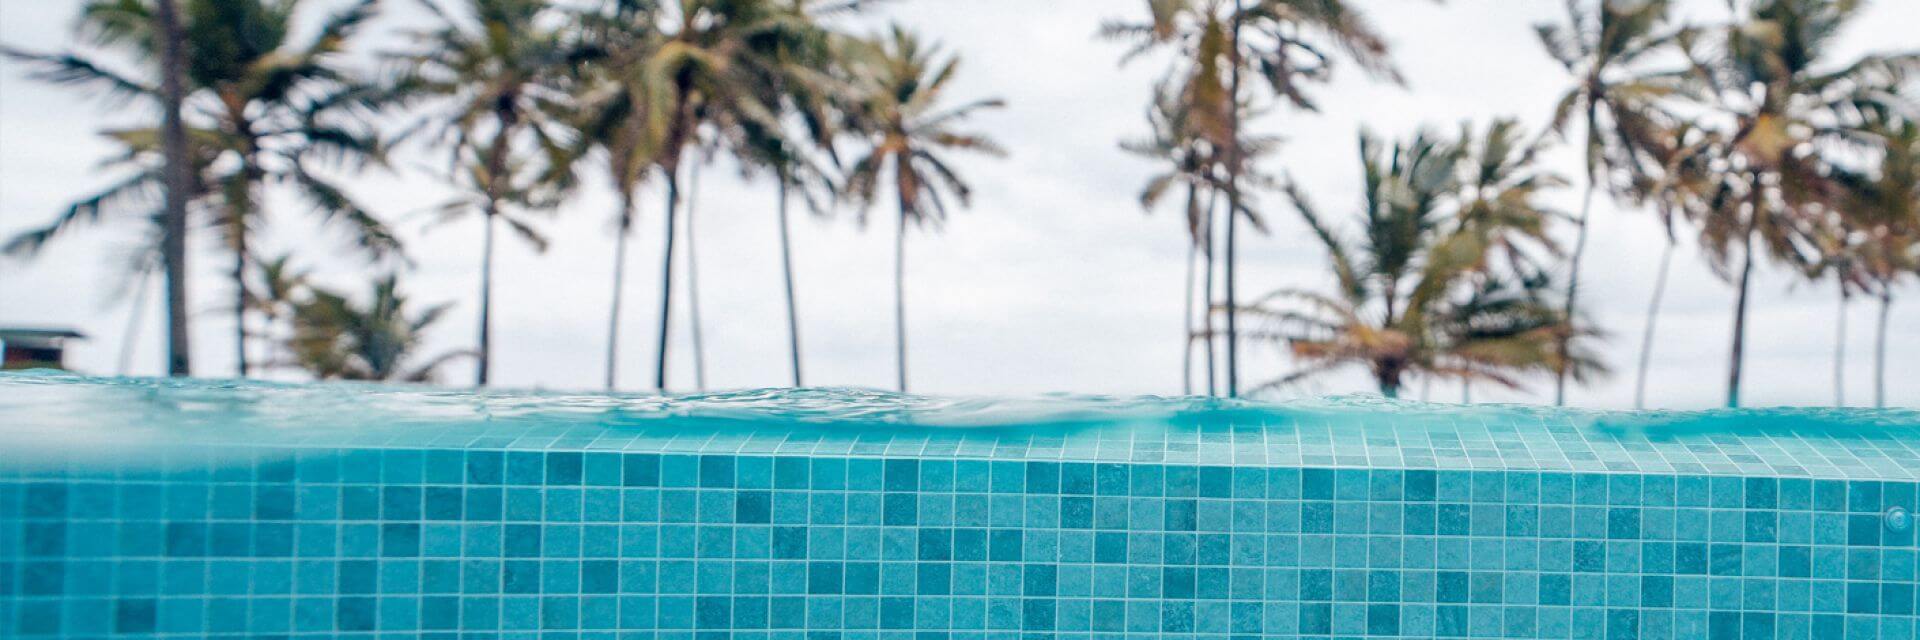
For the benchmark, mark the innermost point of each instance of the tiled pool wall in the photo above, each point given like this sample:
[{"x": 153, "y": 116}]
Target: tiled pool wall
[{"x": 564, "y": 544}]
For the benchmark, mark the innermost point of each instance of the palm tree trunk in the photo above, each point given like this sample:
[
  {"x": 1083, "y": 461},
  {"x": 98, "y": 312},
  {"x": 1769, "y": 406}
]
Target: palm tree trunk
[
  {"x": 900, "y": 298},
  {"x": 1206, "y": 303},
  {"x": 1840, "y": 349},
  {"x": 1880, "y": 351},
  {"x": 485, "y": 360},
  {"x": 178, "y": 178},
  {"x": 693, "y": 283},
  {"x": 239, "y": 275},
  {"x": 1573, "y": 292},
  {"x": 1653, "y": 315},
  {"x": 666, "y": 282},
  {"x": 1233, "y": 204},
  {"x": 497, "y": 176},
  {"x": 1186, "y": 320},
  {"x": 619, "y": 282},
  {"x": 1740, "y": 324},
  {"x": 786, "y": 272}
]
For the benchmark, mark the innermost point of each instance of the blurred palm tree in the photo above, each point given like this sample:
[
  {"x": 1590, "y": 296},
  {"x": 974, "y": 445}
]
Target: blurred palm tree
[
  {"x": 1838, "y": 256},
  {"x": 1881, "y": 225},
  {"x": 1417, "y": 293},
  {"x": 1771, "y": 72},
  {"x": 1186, "y": 165},
  {"x": 277, "y": 110},
  {"x": 1287, "y": 45},
  {"x": 907, "y": 127},
  {"x": 809, "y": 87},
  {"x": 615, "y": 115},
  {"x": 335, "y": 338},
  {"x": 1500, "y": 217},
  {"x": 1680, "y": 188},
  {"x": 702, "y": 77},
  {"x": 502, "y": 68},
  {"x": 1605, "y": 48},
  {"x": 697, "y": 66}
]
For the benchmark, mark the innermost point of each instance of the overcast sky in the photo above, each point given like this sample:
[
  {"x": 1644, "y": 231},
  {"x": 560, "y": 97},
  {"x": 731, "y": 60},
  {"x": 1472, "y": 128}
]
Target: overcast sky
[{"x": 1055, "y": 280}]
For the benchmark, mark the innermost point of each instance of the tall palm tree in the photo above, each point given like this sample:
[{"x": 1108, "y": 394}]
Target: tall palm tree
[
  {"x": 1882, "y": 209},
  {"x": 694, "y": 324},
  {"x": 335, "y": 338},
  {"x": 806, "y": 84},
  {"x": 276, "y": 108},
  {"x": 1893, "y": 257},
  {"x": 1838, "y": 256},
  {"x": 908, "y": 127},
  {"x": 1283, "y": 44},
  {"x": 501, "y": 66},
  {"x": 281, "y": 106},
  {"x": 1500, "y": 217},
  {"x": 616, "y": 116},
  {"x": 1416, "y": 296},
  {"x": 700, "y": 70},
  {"x": 1770, "y": 71},
  {"x": 1615, "y": 101},
  {"x": 178, "y": 182},
  {"x": 1186, "y": 165},
  {"x": 1681, "y": 189}
]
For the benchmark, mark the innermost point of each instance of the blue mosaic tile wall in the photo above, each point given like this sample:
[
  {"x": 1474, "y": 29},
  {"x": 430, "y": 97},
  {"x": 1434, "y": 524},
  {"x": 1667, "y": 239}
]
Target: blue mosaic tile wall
[{"x": 487, "y": 543}]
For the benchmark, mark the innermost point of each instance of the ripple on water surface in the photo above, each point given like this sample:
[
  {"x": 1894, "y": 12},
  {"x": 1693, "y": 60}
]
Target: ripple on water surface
[{"x": 124, "y": 419}]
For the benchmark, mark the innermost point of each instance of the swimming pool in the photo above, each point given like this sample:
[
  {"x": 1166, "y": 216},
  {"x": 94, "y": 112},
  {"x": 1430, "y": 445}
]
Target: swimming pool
[{"x": 191, "y": 509}]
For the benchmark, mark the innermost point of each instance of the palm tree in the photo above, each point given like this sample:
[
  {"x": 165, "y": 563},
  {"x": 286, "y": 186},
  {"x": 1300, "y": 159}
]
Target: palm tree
[
  {"x": 1286, "y": 44},
  {"x": 337, "y": 339},
  {"x": 511, "y": 195},
  {"x": 616, "y": 117},
  {"x": 1603, "y": 48},
  {"x": 699, "y": 68},
  {"x": 1882, "y": 220},
  {"x": 908, "y": 127},
  {"x": 500, "y": 65},
  {"x": 1500, "y": 217},
  {"x": 1416, "y": 294},
  {"x": 806, "y": 83},
  {"x": 1838, "y": 257},
  {"x": 1768, "y": 71},
  {"x": 276, "y": 107},
  {"x": 281, "y": 106},
  {"x": 693, "y": 272},
  {"x": 1892, "y": 258},
  {"x": 1188, "y": 165},
  {"x": 1680, "y": 189}
]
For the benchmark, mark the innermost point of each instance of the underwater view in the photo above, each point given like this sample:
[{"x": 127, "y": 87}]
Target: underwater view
[{"x": 175, "y": 508}]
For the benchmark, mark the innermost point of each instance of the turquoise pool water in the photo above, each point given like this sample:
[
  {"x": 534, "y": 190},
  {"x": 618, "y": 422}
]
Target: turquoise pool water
[{"x": 194, "y": 509}]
